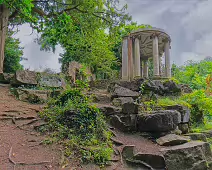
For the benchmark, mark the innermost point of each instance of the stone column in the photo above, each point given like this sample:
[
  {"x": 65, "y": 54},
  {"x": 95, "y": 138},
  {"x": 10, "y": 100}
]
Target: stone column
[
  {"x": 167, "y": 60},
  {"x": 155, "y": 57},
  {"x": 124, "y": 59},
  {"x": 130, "y": 59},
  {"x": 137, "y": 61},
  {"x": 145, "y": 69}
]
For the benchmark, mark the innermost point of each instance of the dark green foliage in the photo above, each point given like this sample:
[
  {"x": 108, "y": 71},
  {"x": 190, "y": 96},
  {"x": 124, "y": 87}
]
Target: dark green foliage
[
  {"x": 72, "y": 119},
  {"x": 13, "y": 53}
]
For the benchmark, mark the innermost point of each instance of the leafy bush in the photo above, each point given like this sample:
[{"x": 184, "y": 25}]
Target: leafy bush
[
  {"x": 81, "y": 126},
  {"x": 193, "y": 73},
  {"x": 201, "y": 106}
]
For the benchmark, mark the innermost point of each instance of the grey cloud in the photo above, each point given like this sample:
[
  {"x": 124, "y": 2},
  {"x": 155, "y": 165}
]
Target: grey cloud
[
  {"x": 188, "y": 22},
  {"x": 37, "y": 60}
]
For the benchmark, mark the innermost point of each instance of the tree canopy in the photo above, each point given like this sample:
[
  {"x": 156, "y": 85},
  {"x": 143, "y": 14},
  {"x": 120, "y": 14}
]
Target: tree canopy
[{"x": 78, "y": 26}]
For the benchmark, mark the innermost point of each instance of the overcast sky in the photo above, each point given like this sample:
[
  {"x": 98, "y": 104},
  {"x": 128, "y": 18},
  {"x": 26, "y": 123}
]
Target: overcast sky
[{"x": 188, "y": 22}]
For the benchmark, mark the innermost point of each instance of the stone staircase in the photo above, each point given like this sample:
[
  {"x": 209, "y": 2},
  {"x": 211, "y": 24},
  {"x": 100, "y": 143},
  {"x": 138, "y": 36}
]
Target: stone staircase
[{"x": 149, "y": 140}]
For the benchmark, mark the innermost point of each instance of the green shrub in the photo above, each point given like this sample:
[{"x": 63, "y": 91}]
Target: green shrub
[
  {"x": 201, "y": 106},
  {"x": 81, "y": 126}
]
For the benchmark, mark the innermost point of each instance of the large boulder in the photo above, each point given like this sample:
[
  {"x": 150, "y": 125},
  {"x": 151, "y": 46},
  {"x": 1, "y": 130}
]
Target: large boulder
[
  {"x": 6, "y": 78},
  {"x": 119, "y": 91},
  {"x": 184, "y": 111},
  {"x": 158, "y": 121},
  {"x": 24, "y": 77},
  {"x": 189, "y": 156},
  {"x": 171, "y": 140}
]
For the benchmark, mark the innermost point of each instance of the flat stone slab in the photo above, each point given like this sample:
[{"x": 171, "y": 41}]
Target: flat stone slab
[
  {"x": 193, "y": 155},
  {"x": 172, "y": 139},
  {"x": 158, "y": 121},
  {"x": 119, "y": 91}
]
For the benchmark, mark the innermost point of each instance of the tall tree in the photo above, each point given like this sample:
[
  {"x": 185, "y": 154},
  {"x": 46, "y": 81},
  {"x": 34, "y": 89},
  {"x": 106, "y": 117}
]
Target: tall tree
[
  {"x": 13, "y": 54},
  {"x": 51, "y": 15}
]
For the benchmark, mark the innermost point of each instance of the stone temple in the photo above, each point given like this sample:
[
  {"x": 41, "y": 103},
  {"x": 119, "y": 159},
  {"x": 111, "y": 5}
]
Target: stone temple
[{"x": 140, "y": 46}]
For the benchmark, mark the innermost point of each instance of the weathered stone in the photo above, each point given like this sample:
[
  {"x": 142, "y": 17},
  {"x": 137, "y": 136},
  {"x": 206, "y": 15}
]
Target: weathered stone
[
  {"x": 130, "y": 108},
  {"x": 32, "y": 96},
  {"x": 155, "y": 161},
  {"x": 109, "y": 110},
  {"x": 124, "y": 123},
  {"x": 171, "y": 140},
  {"x": 6, "y": 78},
  {"x": 24, "y": 77},
  {"x": 208, "y": 133},
  {"x": 149, "y": 86},
  {"x": 101, "y": 97},
  {"x": 158, "y": 121},
  {"x": 133, "y": 85},
  {"x": 197, "y": 136},
  {"x": 184, "y": 127},
  {"x": 121, "y": 100},
  {"x": 171, "y": 87},
  {"x": 50, "y": 80},
  {"x": 189, "y": 156},
  {"x": 123, "y": 92},
  {"x": 184, "y": 111}
]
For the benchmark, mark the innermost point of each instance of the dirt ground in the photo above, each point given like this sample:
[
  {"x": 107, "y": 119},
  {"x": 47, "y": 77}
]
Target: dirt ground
[{"x": 21, "y": 145}]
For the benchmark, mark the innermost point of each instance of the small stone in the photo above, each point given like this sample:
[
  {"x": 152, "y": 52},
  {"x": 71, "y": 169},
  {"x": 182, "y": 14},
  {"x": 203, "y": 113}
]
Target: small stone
[{"x": 171, "y": 140}]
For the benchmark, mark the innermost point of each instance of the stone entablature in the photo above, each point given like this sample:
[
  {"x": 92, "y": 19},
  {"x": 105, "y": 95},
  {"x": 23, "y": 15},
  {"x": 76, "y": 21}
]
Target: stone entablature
[{"x": 141, "y": 45}]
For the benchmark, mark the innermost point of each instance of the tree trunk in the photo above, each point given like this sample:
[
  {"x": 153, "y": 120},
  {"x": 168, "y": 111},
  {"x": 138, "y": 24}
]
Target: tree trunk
[{"x": 4, "y": 16}]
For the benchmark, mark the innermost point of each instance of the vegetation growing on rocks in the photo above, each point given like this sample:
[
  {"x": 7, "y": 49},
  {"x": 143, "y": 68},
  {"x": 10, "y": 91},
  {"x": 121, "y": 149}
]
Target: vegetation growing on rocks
[{"x": 79, "y": 125}]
